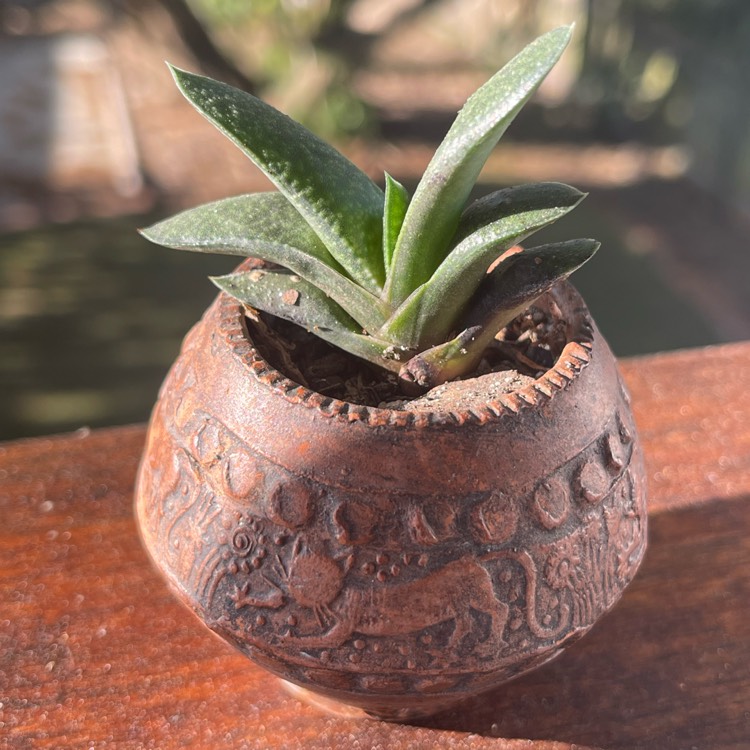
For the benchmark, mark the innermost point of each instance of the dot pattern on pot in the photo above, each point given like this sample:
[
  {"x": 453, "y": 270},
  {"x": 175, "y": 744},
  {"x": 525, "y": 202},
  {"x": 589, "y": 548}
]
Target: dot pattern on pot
[{"x": 371, "y": 593}]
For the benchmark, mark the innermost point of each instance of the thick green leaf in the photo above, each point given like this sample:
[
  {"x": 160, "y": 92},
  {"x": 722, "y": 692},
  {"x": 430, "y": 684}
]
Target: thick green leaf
[
  {"x": 396, "y": 203},
  {"x": 525, "y": 275},
  {"x": 289, "y": 297},
  {"x": 514, "y": 285},
  {"x": 228, "y": 225},
  {"x": 267, "y": 226},
  {"x": 511, "y": 200},
  {"x": 430, "y": 313},
  {"x": 342, "y": 204},
  {"x": 435, "y": 209}
]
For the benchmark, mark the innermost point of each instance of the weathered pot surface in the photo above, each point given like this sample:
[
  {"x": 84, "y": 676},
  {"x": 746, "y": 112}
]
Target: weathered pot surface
[{"x": 394, "y": 561}]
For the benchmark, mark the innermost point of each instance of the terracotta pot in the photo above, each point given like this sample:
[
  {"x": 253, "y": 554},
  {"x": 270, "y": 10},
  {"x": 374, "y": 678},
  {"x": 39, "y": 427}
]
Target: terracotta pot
[{"x": 390, "y": 560}]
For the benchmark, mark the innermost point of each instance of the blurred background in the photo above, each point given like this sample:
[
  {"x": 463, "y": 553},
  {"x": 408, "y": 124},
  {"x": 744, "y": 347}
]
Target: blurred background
[{"x": 649, "y": 110}]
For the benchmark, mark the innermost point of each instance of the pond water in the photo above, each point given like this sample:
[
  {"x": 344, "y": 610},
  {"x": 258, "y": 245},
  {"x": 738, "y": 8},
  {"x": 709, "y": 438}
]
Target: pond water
[{"x": 91, "y": 316}]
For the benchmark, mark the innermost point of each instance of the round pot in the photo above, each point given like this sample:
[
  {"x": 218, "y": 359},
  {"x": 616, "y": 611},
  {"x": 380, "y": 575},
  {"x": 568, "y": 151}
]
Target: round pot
[{"x": 393, "y": 561}]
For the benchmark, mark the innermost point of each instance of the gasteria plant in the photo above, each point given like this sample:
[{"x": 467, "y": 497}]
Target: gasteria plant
[{"x": 402, "y": 282}]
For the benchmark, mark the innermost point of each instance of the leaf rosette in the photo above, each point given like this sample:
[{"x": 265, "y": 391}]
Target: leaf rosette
[{"x": 401, "y": 281}]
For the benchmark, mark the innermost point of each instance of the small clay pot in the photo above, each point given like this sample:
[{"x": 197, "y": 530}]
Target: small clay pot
[{"x": 393, "y": 561}]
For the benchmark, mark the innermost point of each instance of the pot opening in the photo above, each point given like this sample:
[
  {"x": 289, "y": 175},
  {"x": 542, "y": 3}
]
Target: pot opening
[{"x": 523, "y": 351}]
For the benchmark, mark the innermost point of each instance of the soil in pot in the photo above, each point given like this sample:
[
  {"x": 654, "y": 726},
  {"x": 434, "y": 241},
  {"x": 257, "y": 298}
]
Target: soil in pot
[{"x": 523, "y": 351}]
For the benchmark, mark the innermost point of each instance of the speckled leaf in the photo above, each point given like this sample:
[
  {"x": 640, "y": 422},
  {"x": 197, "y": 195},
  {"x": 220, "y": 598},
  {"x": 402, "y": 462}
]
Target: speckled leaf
[
  {"x": 495, "y": 206},
  {"x": 233, "y": 225},
  {"x": 516, "y": 283},
  {"x": 487, "y": 228},
  {"x": 435, "y": 209},
  {"x": 267, "y": 226},
  {"x": 342, "y": 204},
  {"x": 287, "y": 296}
]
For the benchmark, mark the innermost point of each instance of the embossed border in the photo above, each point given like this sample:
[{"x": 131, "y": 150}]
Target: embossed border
[{"x": 575, "y": 356}]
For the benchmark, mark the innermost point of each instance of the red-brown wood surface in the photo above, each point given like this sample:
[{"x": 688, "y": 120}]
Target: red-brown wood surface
[{"x": 94, "y": 651}]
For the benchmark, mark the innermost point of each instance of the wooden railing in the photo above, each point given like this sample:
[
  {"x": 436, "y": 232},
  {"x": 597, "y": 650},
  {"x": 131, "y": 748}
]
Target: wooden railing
[{"x": 95, "y": 652}]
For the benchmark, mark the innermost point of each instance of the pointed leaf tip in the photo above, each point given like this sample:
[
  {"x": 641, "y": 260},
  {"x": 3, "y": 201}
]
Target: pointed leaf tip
[
  {"x": 396, "y": 205},
  {"x": 342, "y": 204},
  {"x": 434, "y": 211},
  {"x": 177, "y": 73}
]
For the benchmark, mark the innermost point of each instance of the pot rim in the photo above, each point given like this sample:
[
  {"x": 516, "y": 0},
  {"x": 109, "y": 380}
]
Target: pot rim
[{"x": 575, "y": 356}]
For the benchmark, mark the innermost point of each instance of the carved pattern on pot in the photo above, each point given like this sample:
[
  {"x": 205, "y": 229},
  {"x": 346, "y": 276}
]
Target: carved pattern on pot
[
  {"x": 354, "y": 522},
  {"x": 494, "y": 519},
  {"x": 595, "y": 561},
  {"x": 625, "y": 523},
  {"x": 349, "y": 604},
  {"x": 301, "y": 594},
  {"x": 369, "y": 590},
  {"x": 551, "y": 502},
  {"x": 592, "y": 481},
  {"x": 433, "y": 523}
]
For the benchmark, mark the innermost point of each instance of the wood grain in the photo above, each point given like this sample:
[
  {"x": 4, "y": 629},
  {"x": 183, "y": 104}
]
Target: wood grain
[{"x": 94, "y": 651}]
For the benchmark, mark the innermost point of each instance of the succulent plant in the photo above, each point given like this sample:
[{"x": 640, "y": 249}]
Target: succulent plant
[{"x": 397, "y": 280}]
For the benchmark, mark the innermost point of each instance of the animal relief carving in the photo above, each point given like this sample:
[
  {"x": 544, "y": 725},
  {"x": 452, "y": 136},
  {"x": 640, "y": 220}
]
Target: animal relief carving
[{"x": 400, "y": 609}]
